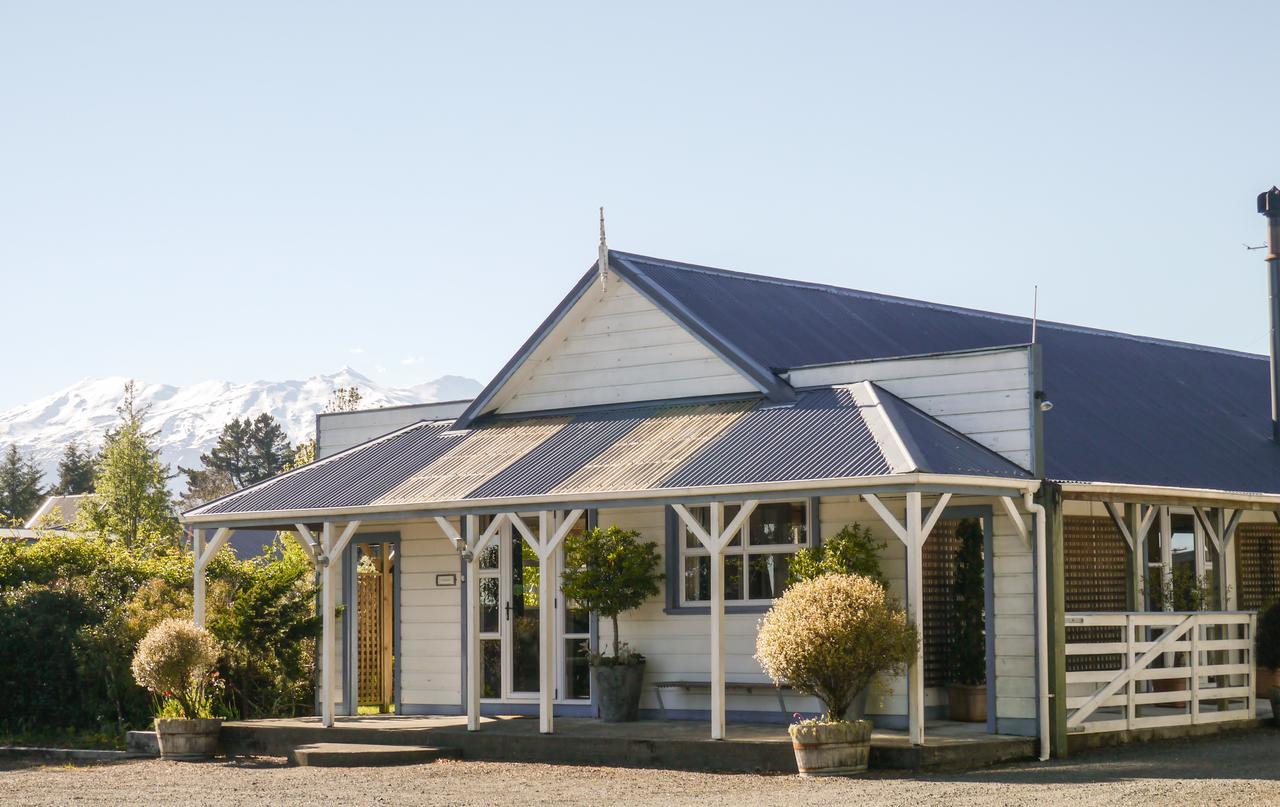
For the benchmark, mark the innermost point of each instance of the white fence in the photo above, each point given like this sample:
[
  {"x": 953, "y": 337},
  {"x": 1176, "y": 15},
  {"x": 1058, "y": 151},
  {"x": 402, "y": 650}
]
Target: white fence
[{"x": 1145, "y": 670}]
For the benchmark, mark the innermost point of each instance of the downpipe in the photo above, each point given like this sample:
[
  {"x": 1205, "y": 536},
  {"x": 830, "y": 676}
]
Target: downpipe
[{"x": 1042, "y": 620}]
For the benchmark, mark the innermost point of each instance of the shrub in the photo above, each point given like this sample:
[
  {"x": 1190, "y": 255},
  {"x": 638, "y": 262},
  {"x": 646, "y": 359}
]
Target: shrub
[
  {"x": 1269, "y": 637},
  {"x": 609, "y": 572},
  {"x": 853, "y": 550},
  {"x": 173, "y": 661},
  {"x": 829, "y": 636}
]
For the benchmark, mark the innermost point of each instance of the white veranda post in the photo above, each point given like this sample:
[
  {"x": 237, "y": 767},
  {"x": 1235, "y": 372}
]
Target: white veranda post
[
  {"x": 913, "y": 532},
  {"x": 202, "y": 556},
  {"x": 329, "y": 557},
  {"x": 472, "y": 546},
  {"x": 715, "y": 540},
  {"x": 544, "y": 544}
]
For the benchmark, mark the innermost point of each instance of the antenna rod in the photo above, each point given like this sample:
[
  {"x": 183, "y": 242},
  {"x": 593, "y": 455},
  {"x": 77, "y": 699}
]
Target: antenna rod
[{"x": 1035, "y": 308}]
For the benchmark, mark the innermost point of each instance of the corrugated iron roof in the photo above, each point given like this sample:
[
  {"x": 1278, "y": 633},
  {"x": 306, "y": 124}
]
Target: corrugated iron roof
[{"x": 1127, "y": 409}]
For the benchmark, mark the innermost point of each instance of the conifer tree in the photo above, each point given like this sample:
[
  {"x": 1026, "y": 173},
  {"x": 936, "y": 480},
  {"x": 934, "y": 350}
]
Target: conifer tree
[
  {"x": 132, "y": 501},
  {"x": 75, "y": 471},
  {"x": 20, "y": 492}
]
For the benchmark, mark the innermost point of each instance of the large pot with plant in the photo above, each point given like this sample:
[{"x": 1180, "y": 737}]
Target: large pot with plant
[
  {"x": 174, "y": 661},
  {"x": 828, "y": 637},
  {"x": 967, "y": 690},
  {"x": 852, "y": 550},
  {"x": 609, "y": 572},
  {"x": 1268, "y": 657}
]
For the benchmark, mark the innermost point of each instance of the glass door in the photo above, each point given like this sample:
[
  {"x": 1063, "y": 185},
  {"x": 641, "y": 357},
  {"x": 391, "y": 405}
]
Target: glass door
[{"x": 520, "y": 617}]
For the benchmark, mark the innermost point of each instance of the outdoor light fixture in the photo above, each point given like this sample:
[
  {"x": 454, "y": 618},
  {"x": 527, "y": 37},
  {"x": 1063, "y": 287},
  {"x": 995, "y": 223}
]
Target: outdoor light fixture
[
  {"x": 1046, "y": 405},
  {"x": 467, "y": 556}
]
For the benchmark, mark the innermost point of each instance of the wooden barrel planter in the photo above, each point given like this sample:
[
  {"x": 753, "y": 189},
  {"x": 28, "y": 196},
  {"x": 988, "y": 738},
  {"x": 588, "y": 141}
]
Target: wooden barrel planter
[
  {"x": 832, "y": 749},
  {"x": 184, "y": 739}
]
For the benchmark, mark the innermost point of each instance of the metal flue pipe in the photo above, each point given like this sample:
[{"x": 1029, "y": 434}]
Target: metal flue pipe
[{"x": 1269, "y": 206}]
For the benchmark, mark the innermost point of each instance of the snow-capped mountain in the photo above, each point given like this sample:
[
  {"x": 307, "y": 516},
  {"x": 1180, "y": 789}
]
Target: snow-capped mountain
[{"x": 190, "y": 418}]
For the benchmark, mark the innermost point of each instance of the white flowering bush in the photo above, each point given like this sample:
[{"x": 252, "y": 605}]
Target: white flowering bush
[
  {"x": 830, "y": 636},
  {"x": 175, "y": 662}
]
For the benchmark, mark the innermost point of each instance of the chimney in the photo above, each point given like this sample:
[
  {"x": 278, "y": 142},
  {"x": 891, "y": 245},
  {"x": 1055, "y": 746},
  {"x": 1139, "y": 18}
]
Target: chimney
[{"x": 1269, "y": 206}]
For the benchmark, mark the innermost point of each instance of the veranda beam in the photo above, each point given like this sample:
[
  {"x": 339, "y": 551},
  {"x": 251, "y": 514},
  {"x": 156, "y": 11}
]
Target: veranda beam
[
  {"x": 544, "y": 544},
  {"x": 715, "y": 540}
]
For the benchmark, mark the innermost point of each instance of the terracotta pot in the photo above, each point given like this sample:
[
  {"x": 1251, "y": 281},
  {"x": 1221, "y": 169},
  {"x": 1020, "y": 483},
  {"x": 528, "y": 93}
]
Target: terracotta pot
[
  {"x": 832, "y": 749},
  {"x": 1170, "y": 685},
  {"x": 1265, "y": 679},
  {"x": 181, "y": 738},
  {"x": 967, "y": 703}
]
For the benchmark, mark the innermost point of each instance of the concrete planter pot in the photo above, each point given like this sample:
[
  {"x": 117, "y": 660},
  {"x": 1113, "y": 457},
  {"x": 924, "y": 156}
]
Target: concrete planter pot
[
  {"x": 832, "y": 749},
  {"x": 967, "y": 703},
  {"x": 617, "y": 687},
  {"x": 188, "y": 739}
]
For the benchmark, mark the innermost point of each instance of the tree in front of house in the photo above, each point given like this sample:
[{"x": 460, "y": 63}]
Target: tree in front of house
[
  {"x": 132, "y": 501},
  {"x": 20, "y": 491},
  {"x": 75, "y": 471}
]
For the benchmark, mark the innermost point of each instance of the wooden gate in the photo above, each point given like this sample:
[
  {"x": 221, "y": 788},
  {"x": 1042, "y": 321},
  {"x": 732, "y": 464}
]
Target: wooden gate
[
  {"x": 374, "y": 634},
  {"x": 1167, "y": 669}
]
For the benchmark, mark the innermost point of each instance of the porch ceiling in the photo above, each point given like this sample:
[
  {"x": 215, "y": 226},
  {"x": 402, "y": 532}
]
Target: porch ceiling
[{"x": 849, "y": 435}]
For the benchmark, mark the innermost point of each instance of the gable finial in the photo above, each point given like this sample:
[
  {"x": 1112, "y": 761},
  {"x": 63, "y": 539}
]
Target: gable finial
[{"x": 602, "y": 262}]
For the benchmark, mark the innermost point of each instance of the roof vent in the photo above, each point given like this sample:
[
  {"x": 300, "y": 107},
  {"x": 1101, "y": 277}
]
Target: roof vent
[{"x": 1269, "y": 206}]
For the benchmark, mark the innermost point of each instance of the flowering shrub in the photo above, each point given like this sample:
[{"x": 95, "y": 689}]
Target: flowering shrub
[
  {"x": 174, "y": 660},
  {"x": 829, "y": 636}
]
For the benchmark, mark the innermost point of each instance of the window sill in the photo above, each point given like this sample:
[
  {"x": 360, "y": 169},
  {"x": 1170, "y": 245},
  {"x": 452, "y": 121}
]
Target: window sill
[{"x": 705, "y": 610}]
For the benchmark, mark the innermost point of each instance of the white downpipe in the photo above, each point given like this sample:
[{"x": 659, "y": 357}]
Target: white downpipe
[{"x": 1042, "y": 621}]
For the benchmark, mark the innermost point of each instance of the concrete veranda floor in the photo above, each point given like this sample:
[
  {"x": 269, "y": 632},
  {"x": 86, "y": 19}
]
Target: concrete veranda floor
[{"x": 1237, "y": 769}]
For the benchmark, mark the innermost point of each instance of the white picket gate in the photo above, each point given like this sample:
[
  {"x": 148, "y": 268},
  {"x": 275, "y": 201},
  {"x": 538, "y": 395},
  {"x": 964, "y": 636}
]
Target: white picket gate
[{"x": 1159, "y": 669}]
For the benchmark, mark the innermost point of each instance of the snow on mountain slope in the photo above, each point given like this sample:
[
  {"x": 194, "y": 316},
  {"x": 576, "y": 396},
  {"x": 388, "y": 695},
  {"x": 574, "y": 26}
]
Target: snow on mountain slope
[{"x": 190, "y": 418}]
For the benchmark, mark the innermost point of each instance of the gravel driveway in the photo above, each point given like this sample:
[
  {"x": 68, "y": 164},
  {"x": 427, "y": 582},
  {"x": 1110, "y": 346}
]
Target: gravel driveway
[{"x": 1234, "y": 769}]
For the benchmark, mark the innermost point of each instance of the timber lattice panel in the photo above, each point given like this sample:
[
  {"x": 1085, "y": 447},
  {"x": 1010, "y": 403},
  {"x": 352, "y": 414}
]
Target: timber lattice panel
[
  {"x": 1257, "y": 565},
  {"x": 1095, "y": 560},
  {"x": 369, "y": 637},
  {"x": 938, "y": 581}
]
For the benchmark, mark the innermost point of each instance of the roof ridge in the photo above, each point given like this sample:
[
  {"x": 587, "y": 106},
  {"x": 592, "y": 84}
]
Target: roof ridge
[{"x": 994, "y": 315}]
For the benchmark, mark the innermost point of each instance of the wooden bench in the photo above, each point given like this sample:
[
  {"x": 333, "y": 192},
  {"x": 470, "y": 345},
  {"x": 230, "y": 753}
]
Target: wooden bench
[{"x": 730, "y": 687}]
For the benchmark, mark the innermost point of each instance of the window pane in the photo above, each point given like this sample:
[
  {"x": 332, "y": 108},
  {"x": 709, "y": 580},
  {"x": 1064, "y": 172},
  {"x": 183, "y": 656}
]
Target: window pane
[
  {"x": 779, "y": 523},
  {"x": 767, "y": 575},
  {"x": 576, "y": 620},
  {"x": 703, "y": 517},
  {"x": 733, "y": 577},
  {"x": 697, "y": 579},
  {"x": 491, "y": 655},
  {"x": 488, "y": 605},
  {"x": 489, "y": 557},
  {"x": 577, "y": 673}
]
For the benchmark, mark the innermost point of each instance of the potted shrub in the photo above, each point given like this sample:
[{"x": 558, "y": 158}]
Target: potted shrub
[
  {"x": 828, "y": 637},
  {"x": 175, "y": 662},
  {"x": 608, "y": 572},
  {"x": 853, "y": 550},
  {"x": 967, "y": 691},
  {"x": 1268, "y": 658}
]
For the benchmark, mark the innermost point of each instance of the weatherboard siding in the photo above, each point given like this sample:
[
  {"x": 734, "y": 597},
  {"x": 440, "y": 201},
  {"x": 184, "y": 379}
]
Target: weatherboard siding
[
  {"x": 614, "y": 346},
  {"x": 339, "y": 431},
  {"x": 985, "y": 395},
  {"x": 430, "y": 617}
]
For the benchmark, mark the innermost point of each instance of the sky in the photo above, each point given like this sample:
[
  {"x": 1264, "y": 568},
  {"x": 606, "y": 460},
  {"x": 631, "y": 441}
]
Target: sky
[{"x": 245, "y": 191}]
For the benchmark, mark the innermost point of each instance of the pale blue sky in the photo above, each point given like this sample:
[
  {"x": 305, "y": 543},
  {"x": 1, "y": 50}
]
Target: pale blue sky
[{"x": 260, "y": 190}]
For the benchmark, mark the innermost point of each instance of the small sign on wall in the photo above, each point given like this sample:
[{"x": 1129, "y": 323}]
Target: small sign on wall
[{"x": 446, "y": 580}]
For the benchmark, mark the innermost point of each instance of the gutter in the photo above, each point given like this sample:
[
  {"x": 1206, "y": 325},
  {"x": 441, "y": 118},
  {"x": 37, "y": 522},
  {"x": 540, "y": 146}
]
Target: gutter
[
  {"x": 1149, "y": 494},
  {"x": 637, "y": 497}
]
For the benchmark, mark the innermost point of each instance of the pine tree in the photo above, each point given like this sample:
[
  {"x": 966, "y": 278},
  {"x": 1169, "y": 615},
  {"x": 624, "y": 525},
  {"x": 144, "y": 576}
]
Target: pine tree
[
  {"x": 203, "y": 486},
  {"x": 269, "y": 448},
  {"x": 132, "y": 501},
  {"x": 233, "y": 453},
  {"x": 20, "y": 492},
  {"x": 75, "y": 471}
]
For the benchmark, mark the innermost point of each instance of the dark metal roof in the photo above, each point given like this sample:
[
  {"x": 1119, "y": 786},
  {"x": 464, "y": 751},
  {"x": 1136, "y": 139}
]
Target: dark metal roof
[
  {"x": 842, "y": 432},
  {"x": 1127, "y": 409}
]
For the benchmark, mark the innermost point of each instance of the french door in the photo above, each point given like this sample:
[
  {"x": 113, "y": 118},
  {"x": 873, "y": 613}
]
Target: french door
[{"x": 510, "y": 620}]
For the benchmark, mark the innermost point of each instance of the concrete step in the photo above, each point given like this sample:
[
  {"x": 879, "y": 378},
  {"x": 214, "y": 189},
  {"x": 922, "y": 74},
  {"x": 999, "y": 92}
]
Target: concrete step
[{"x": 357, "y": 755}]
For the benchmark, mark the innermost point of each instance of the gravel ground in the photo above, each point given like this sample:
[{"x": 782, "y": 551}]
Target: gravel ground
[{"x": 1235, "y": 769}]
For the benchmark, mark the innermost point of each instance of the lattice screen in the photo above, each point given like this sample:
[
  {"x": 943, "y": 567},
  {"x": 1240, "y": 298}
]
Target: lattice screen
[
  {"x": 369, "y": 644},
  {"x": 1095, "y": 559},
  {"x": 939, "y": 562},
  {"x": 1257, "y": 565}
]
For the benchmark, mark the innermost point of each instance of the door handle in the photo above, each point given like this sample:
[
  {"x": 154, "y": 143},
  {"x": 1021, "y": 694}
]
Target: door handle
[{"x": 508, "y": 609}]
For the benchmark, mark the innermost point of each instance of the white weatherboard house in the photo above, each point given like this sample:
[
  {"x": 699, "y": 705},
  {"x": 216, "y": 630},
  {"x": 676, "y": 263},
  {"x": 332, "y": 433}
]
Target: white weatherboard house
[{"x": 733, "y": 419}]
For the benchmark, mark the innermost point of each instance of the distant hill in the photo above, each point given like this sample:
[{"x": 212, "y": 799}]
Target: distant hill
[{"x": 190, "y": 418}]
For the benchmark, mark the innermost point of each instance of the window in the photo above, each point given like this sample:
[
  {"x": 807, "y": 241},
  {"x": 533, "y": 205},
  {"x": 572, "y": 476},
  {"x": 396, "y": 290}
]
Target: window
[{"x": 757, "y": 560}]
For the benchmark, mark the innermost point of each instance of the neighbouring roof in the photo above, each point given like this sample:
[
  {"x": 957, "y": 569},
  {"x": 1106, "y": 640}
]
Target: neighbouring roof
[
  {"x": 57, "y": 512},
  {"x": 832, "y": 433},
  {"x": 1127, "y": 409}
]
